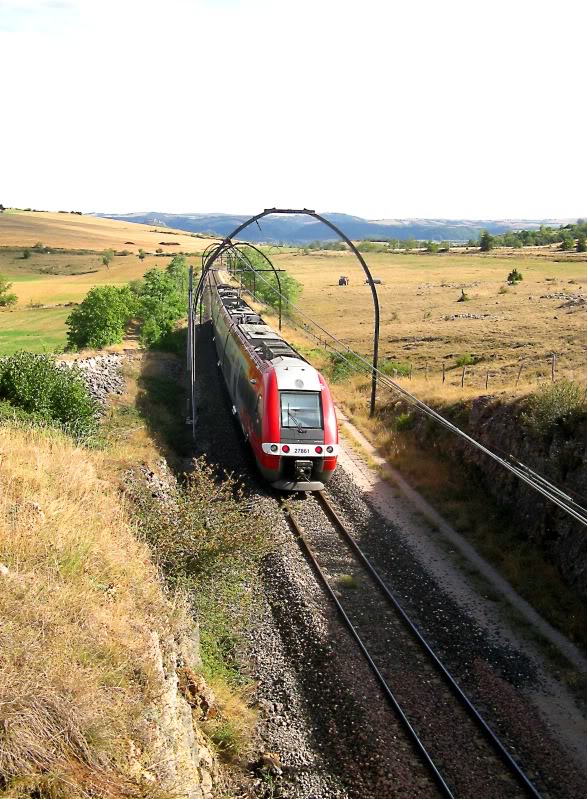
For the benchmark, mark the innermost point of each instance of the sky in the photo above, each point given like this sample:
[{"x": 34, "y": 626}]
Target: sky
[{"x": 454, "y": 109}]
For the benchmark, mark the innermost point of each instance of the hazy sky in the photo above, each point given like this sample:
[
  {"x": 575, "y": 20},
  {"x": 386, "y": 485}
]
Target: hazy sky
[{"x": 381, "y": 109}]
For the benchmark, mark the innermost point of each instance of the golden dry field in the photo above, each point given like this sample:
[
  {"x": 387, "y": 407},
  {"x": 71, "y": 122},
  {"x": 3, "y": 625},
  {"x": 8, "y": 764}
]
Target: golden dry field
[
  {"x": 26, "y": 228},
  {"x": 46, "y": 283},
  {"x": 501, "y": 327}
]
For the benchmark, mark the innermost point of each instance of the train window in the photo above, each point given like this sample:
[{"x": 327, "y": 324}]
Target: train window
[{"x": 300, "y": 409}]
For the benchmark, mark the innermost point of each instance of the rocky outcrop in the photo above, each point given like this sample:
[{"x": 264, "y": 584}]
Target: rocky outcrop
[
  {"x": 186, "y": 765},
  {"x": 561, "y": 457},
  {"x": 102, "y": 373}
]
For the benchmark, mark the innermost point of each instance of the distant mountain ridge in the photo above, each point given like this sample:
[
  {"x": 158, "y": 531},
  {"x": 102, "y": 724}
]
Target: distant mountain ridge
[{"x": 296, "y": 229}]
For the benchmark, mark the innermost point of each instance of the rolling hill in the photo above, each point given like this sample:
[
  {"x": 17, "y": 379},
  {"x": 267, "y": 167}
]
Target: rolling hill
[{"x": 295, "y": 229}]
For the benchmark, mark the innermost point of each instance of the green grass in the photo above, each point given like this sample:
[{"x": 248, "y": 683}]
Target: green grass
[{"x": 37, "y": 330}]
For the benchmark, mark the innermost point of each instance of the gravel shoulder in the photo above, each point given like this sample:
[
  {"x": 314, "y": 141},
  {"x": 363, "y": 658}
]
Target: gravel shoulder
[
  {"x": 319, "y": 709},
  {"x": 468, "y": 616}
]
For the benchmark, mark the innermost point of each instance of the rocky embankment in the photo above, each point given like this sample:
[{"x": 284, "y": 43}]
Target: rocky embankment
[
  {"x": 102, "y": 373},
  {"x": 560, "y": 456}
]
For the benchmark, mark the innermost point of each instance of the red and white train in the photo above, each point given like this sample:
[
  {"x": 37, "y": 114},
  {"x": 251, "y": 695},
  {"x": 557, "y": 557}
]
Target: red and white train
[{"x": 284, "y": 405}]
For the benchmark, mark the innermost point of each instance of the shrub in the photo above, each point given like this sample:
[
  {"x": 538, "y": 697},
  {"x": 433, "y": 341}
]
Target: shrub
[
  {"x": 466, "y": 360},
  {"x": 6, "y": 297},
  {"x": 404, "y": 421},
  {"x": 464, "y": 297},
  {"x": 514, "y": 277},
  {"x": 395, "y": 368},
  {"x": 26, "y": 254},
  {"x": 503, "y": 290},
  {"x": 341, "y": 368},
  {"x": 35, "y": 384},
  {"x": 207, "y": 540},
  {"x": 101, "y": 318},
  {"x": 562, "y": 403}
]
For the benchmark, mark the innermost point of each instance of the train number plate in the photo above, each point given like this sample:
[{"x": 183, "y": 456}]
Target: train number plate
[{"x": 300, "y": 450}]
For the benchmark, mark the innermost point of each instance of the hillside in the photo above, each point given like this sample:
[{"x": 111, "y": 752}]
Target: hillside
[
  {"x": 49, "y": 280},
  {"x": 302, "y": 230},
  {"x": 26, "y": 228}
]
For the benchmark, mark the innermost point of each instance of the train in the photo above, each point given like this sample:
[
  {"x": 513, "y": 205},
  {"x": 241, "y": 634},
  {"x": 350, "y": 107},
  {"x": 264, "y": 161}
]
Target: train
[{"x": 283, "y": 403}]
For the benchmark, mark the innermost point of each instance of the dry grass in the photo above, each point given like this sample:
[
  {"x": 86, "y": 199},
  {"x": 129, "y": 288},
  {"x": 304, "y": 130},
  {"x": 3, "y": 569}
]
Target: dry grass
[
  {"x": 26, "y": 228},
  {"x": 78, "y": 606},
  {"x": 420, "y": 293}
]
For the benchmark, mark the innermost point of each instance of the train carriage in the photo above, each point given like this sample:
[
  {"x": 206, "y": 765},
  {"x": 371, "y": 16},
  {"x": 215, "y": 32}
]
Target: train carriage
[{"x": 284, "y": 405}]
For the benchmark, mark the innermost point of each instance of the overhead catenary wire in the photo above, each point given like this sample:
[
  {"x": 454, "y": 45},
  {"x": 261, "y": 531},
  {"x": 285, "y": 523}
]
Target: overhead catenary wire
[{"x": 524, "y": 473}]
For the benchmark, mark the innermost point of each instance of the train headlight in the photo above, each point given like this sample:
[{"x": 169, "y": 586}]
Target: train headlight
[
  {"x": 329, "y": 449},
  {"x": 274, "y": 447},
  {"x": 319, "y": 450},
  {"x": 285, "y": 448}
]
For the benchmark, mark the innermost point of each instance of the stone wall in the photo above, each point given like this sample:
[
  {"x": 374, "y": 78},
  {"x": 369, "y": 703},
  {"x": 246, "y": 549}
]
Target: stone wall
[{"x": 561, "y": 457}]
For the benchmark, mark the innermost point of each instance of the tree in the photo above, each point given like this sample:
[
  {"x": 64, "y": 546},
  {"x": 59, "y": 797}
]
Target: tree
[
  {"x": 101, "y": 318},
  {"x": 567, "y": 241},
  {"x": 582, "y": 243},
  {"x": 161, "y": 305},
  {"x": 107, "y": 257},
  {"x": 179, "y": 271},
  {"x": 6, "y": 298},
  {"x": 142, "y": 254},
  {"x": 486, "y": 241},
  {"x": 431, "y": 246}
]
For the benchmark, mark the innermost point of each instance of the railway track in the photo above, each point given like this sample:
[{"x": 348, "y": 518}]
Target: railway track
[{"x": 463, "y": 755}]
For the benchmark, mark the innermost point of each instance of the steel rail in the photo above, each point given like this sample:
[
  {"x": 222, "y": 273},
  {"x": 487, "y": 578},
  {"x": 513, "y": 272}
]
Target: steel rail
[
  {"x": 413, "y": 735},
  {"x": 503, "y": 753}
]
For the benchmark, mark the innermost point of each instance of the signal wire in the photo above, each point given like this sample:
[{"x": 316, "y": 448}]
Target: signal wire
[{"x": 533, "y": 479}]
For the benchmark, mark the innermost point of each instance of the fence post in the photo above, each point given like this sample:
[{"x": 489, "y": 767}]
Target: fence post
[
  {"x": 443, "y": 372},
  {"x": 463, "y": 377},
  {"x": 553, "y": 369},
  {"x": 426, "y": 373},
  {"x": 486, "y": 380},
  {"x": 519, "y": 373}
]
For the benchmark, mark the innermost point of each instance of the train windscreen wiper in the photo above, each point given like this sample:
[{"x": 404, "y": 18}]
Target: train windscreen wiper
[{"x": 296, "y": 421}]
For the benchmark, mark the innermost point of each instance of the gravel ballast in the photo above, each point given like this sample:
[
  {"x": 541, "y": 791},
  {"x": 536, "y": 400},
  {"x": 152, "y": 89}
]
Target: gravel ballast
[{"x": 320, "y": 710}]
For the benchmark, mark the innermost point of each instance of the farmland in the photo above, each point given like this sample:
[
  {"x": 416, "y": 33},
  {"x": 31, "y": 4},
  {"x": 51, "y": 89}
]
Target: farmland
[
  {"x": 67, "y": 265},
  {"x": 497, "y": 329},
  {"x": 504, "y": 336}
]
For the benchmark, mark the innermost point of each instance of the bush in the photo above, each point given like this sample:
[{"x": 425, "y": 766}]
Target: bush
[
  {"x": 503, "y": 290},
  {"x": 26, "y": 254},
  {"x": 464, "y": 297},
  {"x": 563, "y": 403},
  {"x": 101, "y": 318},
  {"x": 339, "y": 369},
  {"x": 466, "y": 360},
  {"x": 395, "y": 368},
  {"x": 35, "y": 384},
  {"x": 6, "y": 297},
  {"x": 514, "y": 277},
  {"x": 207, "y": 541},
  {"x": 405, "y": 421}
]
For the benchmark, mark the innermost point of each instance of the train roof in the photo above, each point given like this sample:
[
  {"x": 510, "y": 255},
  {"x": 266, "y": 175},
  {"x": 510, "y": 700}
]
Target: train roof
[{"x": 261, "y": 339}]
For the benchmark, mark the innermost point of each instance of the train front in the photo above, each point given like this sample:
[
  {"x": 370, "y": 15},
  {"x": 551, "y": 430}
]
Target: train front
[{"x": 300, "y": 433}]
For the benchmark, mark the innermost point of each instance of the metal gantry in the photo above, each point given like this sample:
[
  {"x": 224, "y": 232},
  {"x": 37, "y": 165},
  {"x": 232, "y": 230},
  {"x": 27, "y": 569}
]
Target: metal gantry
[{"x": 213, "y": 252}]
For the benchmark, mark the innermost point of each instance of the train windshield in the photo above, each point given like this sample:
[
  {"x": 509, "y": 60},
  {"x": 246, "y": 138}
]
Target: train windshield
[{"x": 300, "y": 409}]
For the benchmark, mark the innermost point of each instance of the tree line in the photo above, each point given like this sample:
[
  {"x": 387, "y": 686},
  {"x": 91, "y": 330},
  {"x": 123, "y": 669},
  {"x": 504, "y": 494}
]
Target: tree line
[
  {"x": 155, "y": 303},
  {"x": 571, "y": 237}
]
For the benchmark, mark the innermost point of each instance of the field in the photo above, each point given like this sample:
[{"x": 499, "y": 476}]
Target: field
[
  {"x": 46, "y": 283},
  {"x": 504, "y": 336},
  {"x": 496, "y": 331}
]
